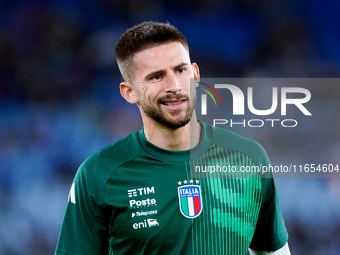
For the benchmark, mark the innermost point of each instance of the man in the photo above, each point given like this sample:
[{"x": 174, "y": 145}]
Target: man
[{"x": 138, "y": 196}]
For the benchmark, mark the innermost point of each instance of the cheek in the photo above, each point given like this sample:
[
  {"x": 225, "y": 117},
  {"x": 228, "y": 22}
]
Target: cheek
[
  {"x": 148, "y": 94},
  {"x": 154, "y": 91}
]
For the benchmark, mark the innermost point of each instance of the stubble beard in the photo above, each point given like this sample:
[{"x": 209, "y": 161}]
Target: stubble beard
[{"x": 158, "y": 114}]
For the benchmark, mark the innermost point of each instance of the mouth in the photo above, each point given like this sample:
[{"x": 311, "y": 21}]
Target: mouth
[
  {"x": 173, "y": 105},
  {"x": 172, "y": 102}
]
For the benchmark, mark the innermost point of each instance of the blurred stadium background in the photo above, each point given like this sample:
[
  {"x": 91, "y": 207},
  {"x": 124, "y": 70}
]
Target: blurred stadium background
[{"x": 59, "y": 99}]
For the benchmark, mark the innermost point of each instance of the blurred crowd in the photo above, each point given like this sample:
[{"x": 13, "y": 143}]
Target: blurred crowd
[{"x": 59, "y": 100}]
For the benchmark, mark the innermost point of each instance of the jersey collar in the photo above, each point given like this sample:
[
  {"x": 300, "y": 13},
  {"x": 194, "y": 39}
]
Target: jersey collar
[{"x": 169, "y": 155}]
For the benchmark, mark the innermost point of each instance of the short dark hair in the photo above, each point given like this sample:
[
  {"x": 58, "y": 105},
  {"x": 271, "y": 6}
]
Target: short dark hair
[{"x": 141, "y": 37}]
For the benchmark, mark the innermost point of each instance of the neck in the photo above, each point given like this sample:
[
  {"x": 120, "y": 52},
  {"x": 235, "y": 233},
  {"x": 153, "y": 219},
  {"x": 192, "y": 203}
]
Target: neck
[{"x": 180, "y": 139}]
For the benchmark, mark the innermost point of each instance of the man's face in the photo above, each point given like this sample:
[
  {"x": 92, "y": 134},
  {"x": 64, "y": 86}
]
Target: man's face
[{"x": 162, "y": 84}]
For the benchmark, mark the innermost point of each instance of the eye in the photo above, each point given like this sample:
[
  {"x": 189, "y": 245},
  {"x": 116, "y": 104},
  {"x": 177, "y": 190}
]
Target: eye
[
  {"x": 156, "y": 77},
  {"x": 181, "y": 70}
]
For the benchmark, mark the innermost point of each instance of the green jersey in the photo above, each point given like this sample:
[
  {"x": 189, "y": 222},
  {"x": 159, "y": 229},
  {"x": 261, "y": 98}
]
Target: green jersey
[{"x": 135, "y": 198}]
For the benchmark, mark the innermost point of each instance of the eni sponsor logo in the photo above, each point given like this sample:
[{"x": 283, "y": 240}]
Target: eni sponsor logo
[{"x": 146, "y": 224}]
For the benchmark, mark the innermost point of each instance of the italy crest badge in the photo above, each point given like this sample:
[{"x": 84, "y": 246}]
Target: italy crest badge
[{"x": 190, "y": 200}]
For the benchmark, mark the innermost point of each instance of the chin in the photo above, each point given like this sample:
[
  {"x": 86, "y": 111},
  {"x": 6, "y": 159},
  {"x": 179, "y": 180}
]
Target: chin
[{"x": 174, "y": 123}]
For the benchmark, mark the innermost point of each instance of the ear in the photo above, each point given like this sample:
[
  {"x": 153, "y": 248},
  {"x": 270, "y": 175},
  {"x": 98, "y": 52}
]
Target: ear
[
  {"x": 127, "y": 90},
  {"x": 196, "y": 71}
]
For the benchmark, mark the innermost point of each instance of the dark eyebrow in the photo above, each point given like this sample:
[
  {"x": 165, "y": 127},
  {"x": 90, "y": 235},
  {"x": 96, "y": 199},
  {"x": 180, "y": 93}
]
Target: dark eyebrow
[
  {"x": 152, "y": 74},
  {"x": 181, "y": 65},
  {"x": 157, "y": 72}
]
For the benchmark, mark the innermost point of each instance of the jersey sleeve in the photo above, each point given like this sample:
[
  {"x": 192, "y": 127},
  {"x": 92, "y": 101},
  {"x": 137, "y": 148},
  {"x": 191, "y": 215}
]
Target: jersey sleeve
[
  {"x": 84, "y": 230},
  {"x": 270, "y": 233}
]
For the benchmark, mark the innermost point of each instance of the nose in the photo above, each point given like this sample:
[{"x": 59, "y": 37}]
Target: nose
[{"x": 172, "y": 84}]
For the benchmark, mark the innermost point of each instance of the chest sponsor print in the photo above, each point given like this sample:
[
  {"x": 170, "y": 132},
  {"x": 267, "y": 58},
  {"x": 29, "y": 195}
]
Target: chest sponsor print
[{"x": 190, "y": 200}]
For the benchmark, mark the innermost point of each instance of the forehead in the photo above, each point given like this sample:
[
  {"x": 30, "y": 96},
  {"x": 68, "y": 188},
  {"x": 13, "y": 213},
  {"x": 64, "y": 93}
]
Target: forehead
[{"x": 160, "y": 57}]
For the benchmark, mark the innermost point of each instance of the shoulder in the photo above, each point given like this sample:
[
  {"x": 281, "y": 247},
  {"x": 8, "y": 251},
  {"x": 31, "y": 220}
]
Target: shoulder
[
  {"x": 98, "y": 167},
  {"x": 115, "y": 154},
  {"x": 94, "y": 173},
  {"x": 230, "y": 140}
]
